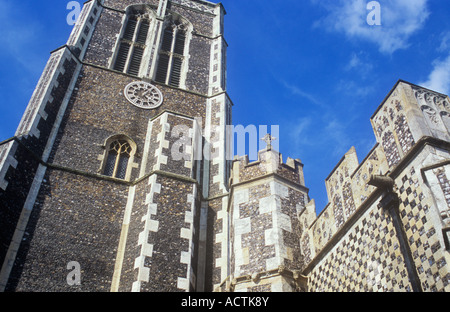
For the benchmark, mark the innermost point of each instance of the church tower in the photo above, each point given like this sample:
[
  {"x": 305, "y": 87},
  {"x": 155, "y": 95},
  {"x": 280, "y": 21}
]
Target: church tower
[{"x": 116, "y": 179}]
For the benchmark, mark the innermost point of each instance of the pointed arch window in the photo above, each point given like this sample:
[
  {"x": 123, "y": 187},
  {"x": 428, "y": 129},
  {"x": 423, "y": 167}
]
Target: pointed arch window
[
  {"x": 118, "y": 157},
  {"x": 171, "y": 55},
  {"x": 132, "y": 45}
]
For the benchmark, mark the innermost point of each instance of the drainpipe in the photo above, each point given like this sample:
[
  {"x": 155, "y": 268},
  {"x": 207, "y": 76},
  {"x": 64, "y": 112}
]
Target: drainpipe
[{"x": 391, "y": 202}]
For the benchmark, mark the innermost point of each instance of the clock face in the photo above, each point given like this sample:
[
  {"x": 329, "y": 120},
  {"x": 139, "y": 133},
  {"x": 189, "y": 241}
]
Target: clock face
[{"x": 143, "y": 95}]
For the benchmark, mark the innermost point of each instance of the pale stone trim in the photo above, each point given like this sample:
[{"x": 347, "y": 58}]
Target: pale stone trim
[{"x": 123, "y": 240}]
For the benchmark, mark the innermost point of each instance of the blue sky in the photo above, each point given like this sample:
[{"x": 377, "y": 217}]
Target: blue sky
[{"x": 313, "y": 67}]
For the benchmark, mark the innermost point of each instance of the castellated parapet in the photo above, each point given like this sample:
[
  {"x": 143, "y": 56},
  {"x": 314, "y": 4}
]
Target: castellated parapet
[
  {"x": 266, "y": 199},
  {"x": 355, "y": 243},
  {"x": 269, "y": 162},
  {"x": 385, "y": 228}
]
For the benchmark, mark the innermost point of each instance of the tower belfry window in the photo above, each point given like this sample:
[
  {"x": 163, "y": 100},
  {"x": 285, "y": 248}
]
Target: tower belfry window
[
  {"x": 132, "y": 45},
  {"x": 171, "y": 55}
]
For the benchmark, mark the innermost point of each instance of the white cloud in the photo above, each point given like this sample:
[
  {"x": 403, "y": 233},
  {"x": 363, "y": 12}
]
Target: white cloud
[
  {"x": 445, "y": 42},
  {"x": 295, "y": 90},
  {"x": 400, "y": 19},
  {"x": 361, "y": 64},
  {"x": 301, "y": 126},
  {"x": 439, "y": 78},
  {"x": 299, "y": 131},
  {"x": 355, "y": 62},
  {"x": 337, "y": 137},
  {"x": 354, "y": 89},
  {"x": 323, "y": 126}
]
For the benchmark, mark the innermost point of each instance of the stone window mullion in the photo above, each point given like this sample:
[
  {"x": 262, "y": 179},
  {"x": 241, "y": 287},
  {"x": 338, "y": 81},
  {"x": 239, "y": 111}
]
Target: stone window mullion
[{"x": 172, "y": 47}]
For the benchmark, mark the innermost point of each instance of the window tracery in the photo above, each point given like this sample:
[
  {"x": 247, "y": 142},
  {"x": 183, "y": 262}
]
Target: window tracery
[{"x": 117, "y": 160}]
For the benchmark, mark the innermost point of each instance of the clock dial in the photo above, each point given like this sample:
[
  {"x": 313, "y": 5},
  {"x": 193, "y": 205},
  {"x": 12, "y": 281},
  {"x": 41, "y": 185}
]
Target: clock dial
[{"x": 143, "y": 95}]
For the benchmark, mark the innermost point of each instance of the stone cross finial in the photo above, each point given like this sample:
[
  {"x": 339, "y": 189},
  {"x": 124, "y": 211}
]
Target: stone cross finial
[{"x": 268, "y": 138}]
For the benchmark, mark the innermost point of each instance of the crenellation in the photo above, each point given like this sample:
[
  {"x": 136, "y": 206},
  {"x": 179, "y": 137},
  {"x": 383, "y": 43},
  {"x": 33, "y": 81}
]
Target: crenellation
[
  {"x": 267, "y": 198},
  {"x": 268, "y": 162},
  {"x": 392, "y": 126},
  {"x": 375, "y": 163},
  {"x": 341, "y": 174}
]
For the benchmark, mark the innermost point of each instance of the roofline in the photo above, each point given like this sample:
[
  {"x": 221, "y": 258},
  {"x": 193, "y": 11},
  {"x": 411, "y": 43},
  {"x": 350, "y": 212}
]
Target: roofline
[{"x": 392, "y": 90}]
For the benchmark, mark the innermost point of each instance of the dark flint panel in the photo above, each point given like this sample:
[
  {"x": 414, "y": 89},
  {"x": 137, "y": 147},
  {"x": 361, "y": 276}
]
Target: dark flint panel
[{"x": 66, "y": 226}]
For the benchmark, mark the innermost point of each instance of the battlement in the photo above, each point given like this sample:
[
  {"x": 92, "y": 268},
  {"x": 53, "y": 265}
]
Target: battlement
[
  {"x": 411, "y": 126},
  {"x": 269, "y": 162},
  {"x": 266, "y": 199}
]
